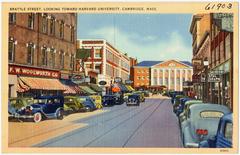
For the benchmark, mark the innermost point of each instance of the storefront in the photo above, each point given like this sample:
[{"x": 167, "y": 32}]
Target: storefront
[{"x": 30, "y": 81}]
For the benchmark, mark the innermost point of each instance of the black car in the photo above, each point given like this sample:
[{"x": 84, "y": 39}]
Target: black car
[
  {"x": 112, "y": 99},
  {"x": 133, "y": 99}
]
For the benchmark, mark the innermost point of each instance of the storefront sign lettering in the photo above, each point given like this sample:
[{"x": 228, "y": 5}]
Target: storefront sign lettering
[{"x": 20, "y": 70}]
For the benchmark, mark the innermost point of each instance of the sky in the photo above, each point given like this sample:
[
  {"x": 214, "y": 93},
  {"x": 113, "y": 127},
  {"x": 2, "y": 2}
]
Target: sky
[{"x": 142, "y": 36}]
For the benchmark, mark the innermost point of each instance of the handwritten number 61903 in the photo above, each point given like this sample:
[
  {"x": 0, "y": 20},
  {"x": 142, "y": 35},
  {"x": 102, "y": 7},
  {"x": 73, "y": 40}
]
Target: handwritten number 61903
[{"x": 218, "y": 6}]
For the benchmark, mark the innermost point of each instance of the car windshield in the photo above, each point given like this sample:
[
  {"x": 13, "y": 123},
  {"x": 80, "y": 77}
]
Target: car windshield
[{"x": 211, "y": 114}]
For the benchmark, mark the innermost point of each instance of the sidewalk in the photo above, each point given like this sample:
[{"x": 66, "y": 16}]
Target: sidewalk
[{"x": 24, "y": 134}]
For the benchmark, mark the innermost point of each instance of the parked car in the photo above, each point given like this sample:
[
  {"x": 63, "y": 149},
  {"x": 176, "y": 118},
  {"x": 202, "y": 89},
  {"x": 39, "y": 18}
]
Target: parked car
[
  {"x": 44, "y": 107},
  {"x": 16, "y": 103},
  {"x": 134, "y": 99},
  {"x": 125, "y": 96},
  {"x": 173, "y": 95},
  {"x": 180, "y": 107},
  {"x": 201, "y": 123},
  {"x": 112, "y": 99},
  {"x": 88, "y": 103},
  {"x": 177, "y": 101},
  {"x": 184, "y": 114},
  {"x": 141, "y": 94},
  {"x": 97, "y": 100},
  {"x": 223, "y": 137},
  {"x": 73, "y": 104},
  {"x": 146, "y": 93}
]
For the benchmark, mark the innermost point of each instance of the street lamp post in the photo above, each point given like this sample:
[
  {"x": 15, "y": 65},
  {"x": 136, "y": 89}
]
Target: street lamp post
[{"x": 205, "y": 64}]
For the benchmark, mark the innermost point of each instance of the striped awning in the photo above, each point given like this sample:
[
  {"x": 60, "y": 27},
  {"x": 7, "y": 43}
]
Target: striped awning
[
  {"x": 21, "y": 87},
  {"x": 41, "y": 83}
]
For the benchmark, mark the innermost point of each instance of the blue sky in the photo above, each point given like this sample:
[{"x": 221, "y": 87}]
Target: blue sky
[{"x": 144, "y": 36}]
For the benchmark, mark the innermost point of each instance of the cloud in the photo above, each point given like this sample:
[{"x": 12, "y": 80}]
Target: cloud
[{"x": 146, "y": 47}]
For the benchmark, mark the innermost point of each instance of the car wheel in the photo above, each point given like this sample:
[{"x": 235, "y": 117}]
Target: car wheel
[
  {"x": 88, "y": 109},
  {"x": 60, "y": 114},
  {"x": 37, "y": 117}
]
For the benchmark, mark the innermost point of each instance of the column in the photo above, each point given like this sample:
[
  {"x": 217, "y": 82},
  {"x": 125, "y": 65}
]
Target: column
[
  {"x": 185, "y": 74},
  {"x": 158, "y": 77},
  {"x": 151, "y": 77},
  {"x": 163, "y": 76},
  {"x": 175, "y": 80},
  {"x": 169, "y": 82},
  {"x": 191, "y": 74},
  {"x": 181, "y": 79}
]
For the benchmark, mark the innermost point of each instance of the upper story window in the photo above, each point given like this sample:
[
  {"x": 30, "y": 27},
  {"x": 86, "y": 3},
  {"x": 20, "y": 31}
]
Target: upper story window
[
  {"x": 97, "y": 53},
  {"x": 31, "y": 20},
  {"x": 71, "y": 61},
  {"x": 61, "y": 29},
  {"x": 61, "y": 59},
  {"x": 72, "y": 34},
  {"x": 44, "y": 23},
  {"x": 30, "y": 53},
  {"x": 12, "y": 18},
  {"x": 51, "y": 58},
  {"x": 44, "y": 56},
  {"x": 52, "y": 26},
  {"x": 11, "y": 50}
]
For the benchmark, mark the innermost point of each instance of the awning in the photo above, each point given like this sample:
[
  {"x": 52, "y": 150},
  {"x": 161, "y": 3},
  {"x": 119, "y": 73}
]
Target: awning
[
  {"x": 42, "y": 83},
  {"x": 87, "y": 90},
  {"x": 95, "y": 87},
  {"x": 21, "y": 87},
  {"x": 70, "y": 87}
]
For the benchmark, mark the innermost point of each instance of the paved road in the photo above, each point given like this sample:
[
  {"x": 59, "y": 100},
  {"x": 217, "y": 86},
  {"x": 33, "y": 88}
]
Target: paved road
[{"x": 152, "y": 124}]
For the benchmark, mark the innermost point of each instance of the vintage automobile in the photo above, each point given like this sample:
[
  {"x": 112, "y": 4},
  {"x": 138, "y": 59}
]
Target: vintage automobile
[
  {"x": 141, "y": 94},
  {"x": 177, "y": 101},
  {"x": 180, "y": 107},
  {"x": 43, "y": 107},
  {"x": 88, "y": 103},
  {"x": 134, "y": 99},
  {"x": 17, "y": 103},
  {"x": 97, "y": 100},
  {"x": 112, "y": 99},
  {"x": 201, "y": 123},
  {"x": 173, "y": 95},
  {"x": 73, "y": 104},
  {"x": 125, "y": 96},
  {"x": 184, "y": 114},
  {"x": 223, "y": 137},
  {"x": 146, "y": 93}
]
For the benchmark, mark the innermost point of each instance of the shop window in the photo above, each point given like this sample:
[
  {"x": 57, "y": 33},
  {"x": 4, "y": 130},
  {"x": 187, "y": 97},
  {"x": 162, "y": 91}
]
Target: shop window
[
  {"x": 97, "y": 53},
  {"x": 228, "y": 131},
  {"x": 44, "y": 56},
  {"x": 11, "y": 50},
  {"x": 72, "y": 34},
  {"x": 62, "y": 59},
  {"x": 31, "y": 20},
  {"x": 61, "y": 29},
  {"x": 30, "y": 53},
  {"x": 52, "y": 26},
  {"x": 12, "y": 18},
  {"x": 44, "y": 23}
]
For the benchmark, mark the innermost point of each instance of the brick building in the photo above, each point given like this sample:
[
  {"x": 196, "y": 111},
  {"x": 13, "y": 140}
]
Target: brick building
[
  {"x": 215, "y": 46},
  {"x": 170, "y": 73},
  {"x": 41, "y": 44},
  {"x": 104, "y": 62}
]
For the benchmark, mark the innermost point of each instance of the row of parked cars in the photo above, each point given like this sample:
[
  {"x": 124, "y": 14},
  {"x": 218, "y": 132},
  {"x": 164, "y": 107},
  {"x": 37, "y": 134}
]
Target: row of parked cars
[
  {"x": 45, "y": 107},
  {"x": 202, "y": 124}
]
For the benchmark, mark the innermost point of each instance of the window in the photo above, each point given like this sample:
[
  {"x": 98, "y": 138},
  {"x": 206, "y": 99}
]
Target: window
[
  {"x": 71, "y": 61},
  {"x": 97, "y": 53},
  {"x": 12, "y": 18},
  {"x": 160, "y": 81},
  {"x": 11, "y": 50},
  {"x": 62, "y": 59},
  {"x": 44, "y": 56},
  {"x": 61, "y": 29},
  {"x": 72, "y": 34},
  {"x": 51, "y": 59},
  {"x": 211, "y": 114},
  {"x": 30, "y": 53},
  {"x": 98, "y": 68},
  {"x": 143, "y": 78},
  {"x": 228, "y": 131},
  {"x": 139, "y": 78},
  {"x": 52, "y": 26},
  {"x": 44, "y": 23},
  {"x": 31, "y": 21}
]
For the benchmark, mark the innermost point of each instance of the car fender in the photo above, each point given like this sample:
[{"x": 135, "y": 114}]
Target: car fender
[{"x": 187, "y": 136}]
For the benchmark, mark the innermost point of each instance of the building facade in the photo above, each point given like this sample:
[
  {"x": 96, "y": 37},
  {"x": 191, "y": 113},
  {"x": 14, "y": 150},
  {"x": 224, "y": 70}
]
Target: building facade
[
  {"x": 104, "y": 62},
  {"x": 213, "y": 81},
  {"x": 41, "y": 44},
  {"x": 170, "y": 74}
]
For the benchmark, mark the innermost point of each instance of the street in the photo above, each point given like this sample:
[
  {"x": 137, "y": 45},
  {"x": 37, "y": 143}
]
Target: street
[{"x": 152, "y": 124}]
